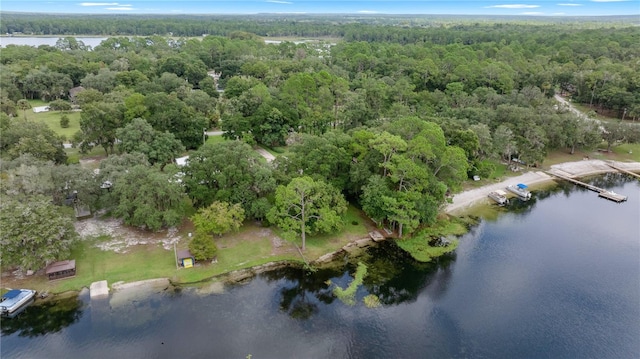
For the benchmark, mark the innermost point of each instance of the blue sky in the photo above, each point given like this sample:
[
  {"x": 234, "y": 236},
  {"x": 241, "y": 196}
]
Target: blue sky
[{"x": 465, "y": 7}]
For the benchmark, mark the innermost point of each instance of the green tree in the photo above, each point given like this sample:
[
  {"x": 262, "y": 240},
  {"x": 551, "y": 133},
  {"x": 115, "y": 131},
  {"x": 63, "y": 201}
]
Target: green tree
[
  {"x": 24, "y": 105},
  {"x": 504, "y": 143},
  {"x": 321, "y": 157},
  {"x": 148, "y": 198},
  {"x": 98, "y": 125},
  {"x": 64, "y": 121},
  {"x": 34, "y": 232},
  {"x": 159, "y": 147},
  {"x": 135, "y": 107},
  {"x": 218, "y": 218},
  {"x": 202, "y": 247},
  {"x": 60, "y": 105},
  {"x": 231, "y": 172},
  {"x": 306, "y": 206},
  {"x": 35, "y": 138},
  {"x": 388, "y": 145},
  {"x": 104, "y": 81}
]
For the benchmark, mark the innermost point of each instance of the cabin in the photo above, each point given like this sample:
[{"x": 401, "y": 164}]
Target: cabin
[
  {"x": 186, "y": 259},
  {"x": 63, "y": 269}
]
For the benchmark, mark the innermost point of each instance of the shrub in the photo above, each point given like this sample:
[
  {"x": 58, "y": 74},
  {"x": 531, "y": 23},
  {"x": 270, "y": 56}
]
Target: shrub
[
  {"x": 64, "y": 121},
  {"x": 202, "y": 247}
]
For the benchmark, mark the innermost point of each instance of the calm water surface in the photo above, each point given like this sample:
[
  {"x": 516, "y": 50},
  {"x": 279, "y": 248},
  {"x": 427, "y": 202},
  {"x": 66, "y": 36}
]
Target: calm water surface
[
  {"x": 51, "y": 41},
  {"x": 556, "y": 277}
]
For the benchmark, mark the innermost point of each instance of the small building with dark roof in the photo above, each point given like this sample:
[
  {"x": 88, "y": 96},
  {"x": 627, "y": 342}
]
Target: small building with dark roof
[
  {"x": 186, "y": 259},
  {"x": 63, "y": 269},
  {"x": 74, "y": 92}
]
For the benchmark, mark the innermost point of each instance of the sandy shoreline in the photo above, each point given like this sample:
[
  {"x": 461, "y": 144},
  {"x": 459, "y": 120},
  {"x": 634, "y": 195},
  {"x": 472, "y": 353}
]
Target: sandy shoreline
[{"x": 466, "y": 199}]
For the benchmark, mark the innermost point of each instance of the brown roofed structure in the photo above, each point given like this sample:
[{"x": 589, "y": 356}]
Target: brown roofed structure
[
  {"x": 185, "y": 254},
  {"x": 63, "y": 269}
]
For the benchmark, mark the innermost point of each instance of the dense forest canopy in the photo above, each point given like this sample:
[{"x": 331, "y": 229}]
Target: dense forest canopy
[{"x": 390, "y": 117}]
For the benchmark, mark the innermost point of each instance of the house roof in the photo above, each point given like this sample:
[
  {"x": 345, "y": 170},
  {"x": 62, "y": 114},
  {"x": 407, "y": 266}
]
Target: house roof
[
  {"x": 74, "y": 91},
  {"x": 60, "y": 266},
  {"x": 185, "y": 253}
]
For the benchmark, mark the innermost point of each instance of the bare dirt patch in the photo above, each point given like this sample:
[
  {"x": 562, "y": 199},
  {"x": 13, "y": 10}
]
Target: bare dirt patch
[{"x": 123, "y": 236}]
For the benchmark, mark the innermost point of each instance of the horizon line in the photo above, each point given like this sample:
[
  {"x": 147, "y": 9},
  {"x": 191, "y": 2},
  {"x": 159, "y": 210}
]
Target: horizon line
[{"x": 309, "y": 14}]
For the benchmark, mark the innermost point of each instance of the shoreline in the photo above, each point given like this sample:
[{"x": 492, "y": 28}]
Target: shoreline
[
  {"x": 464, "y": 200},
  {"x": 461, "y": 203}
]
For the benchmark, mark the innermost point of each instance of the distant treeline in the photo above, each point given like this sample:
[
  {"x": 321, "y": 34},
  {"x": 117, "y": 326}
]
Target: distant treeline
[{"x": 395, "y": 28}]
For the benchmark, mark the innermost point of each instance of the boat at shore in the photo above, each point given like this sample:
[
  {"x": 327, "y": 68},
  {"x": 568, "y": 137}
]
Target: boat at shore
[
  {"x": 499, "y": 196},
  {"x": 15, "y": 300},
  {"x": 520, "y": 189}
]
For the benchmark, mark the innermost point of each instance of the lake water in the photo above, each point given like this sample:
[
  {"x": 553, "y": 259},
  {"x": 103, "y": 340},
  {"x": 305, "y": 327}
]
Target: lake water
[
  {"x": 555, "y": 277},
  {"x": 51, "y": 41}
]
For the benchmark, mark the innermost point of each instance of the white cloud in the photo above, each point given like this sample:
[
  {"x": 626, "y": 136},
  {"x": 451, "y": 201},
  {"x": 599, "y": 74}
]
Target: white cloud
[
  {"x": 609, "y": 0},
  {"x": 98, "y": 4},
  {"x": 513, "y": 6},
  {"x": 569, "y": 4},
  {"x": 367, "y": 12},
  {"x": 279, "y": 2},
  {"x": 532, "y": 13},
  {"x": 119, "y": 8}
]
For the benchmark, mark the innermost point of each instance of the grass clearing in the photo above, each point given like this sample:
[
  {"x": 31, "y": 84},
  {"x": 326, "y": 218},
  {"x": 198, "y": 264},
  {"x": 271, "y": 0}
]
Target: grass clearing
[
  {"x": 586, "y": 109},
  {"x": 623, "y": 152},
  {"x": 216, "y": 139},
  {"x": 253, "y": 245},
  {"x": 52, "y": 119}
]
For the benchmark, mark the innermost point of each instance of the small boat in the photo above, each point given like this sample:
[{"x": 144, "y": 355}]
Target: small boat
[
  {"x": 521, "y": 190},
  {"x": 15, "y": 301},
  {"x": 499, "y": 196}
]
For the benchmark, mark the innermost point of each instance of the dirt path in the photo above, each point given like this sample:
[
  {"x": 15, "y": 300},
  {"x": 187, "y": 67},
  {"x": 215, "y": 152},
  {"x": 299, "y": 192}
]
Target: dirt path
[
  {"x": 264, "y": 153},
  {"x": 466, "y": 199}
]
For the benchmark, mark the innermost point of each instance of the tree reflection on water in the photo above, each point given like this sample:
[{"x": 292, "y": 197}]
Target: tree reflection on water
[
  {"x": 48, "y": 317},
  {"x": 392, "y": 275}
]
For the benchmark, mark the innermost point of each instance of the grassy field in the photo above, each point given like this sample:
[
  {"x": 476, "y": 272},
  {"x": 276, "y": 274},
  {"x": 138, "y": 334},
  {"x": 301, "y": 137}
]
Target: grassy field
[
  {"x": 584, "y": 108},
  {"x": 52, "y": 119},
  {"x": 253, "y": 245},
  {"x": 624, "y": 152},
  {"x": 215, "y": 139}
]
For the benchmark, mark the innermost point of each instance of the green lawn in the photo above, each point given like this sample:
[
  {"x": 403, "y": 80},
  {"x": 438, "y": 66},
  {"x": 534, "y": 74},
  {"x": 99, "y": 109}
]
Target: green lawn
[
  {"x": 584, "y": 108},
  {"x": 52, "y": 119},
  {"x": 215, "y": 139},
  {"x": 247, "y": 248}
]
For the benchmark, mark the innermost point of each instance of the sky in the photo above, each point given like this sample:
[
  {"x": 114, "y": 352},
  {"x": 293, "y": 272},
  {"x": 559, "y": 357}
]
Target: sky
[{"x": 413, "y": 7}]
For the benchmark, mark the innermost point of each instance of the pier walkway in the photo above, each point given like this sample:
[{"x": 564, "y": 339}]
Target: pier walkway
[{"x": 604, "y": 193}]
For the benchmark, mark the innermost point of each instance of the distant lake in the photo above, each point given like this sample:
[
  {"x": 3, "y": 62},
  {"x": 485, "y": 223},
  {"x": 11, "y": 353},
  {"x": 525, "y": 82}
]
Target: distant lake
[
  {"x": 51, "y": 41},
  {"x": 557, "y": 276}
]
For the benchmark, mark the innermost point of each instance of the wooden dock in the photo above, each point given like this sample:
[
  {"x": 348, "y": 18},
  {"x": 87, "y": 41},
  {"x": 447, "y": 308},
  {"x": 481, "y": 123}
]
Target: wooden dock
[
  {"x": 610, "y": 195},
  {"x": 623, "y": 170}
]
